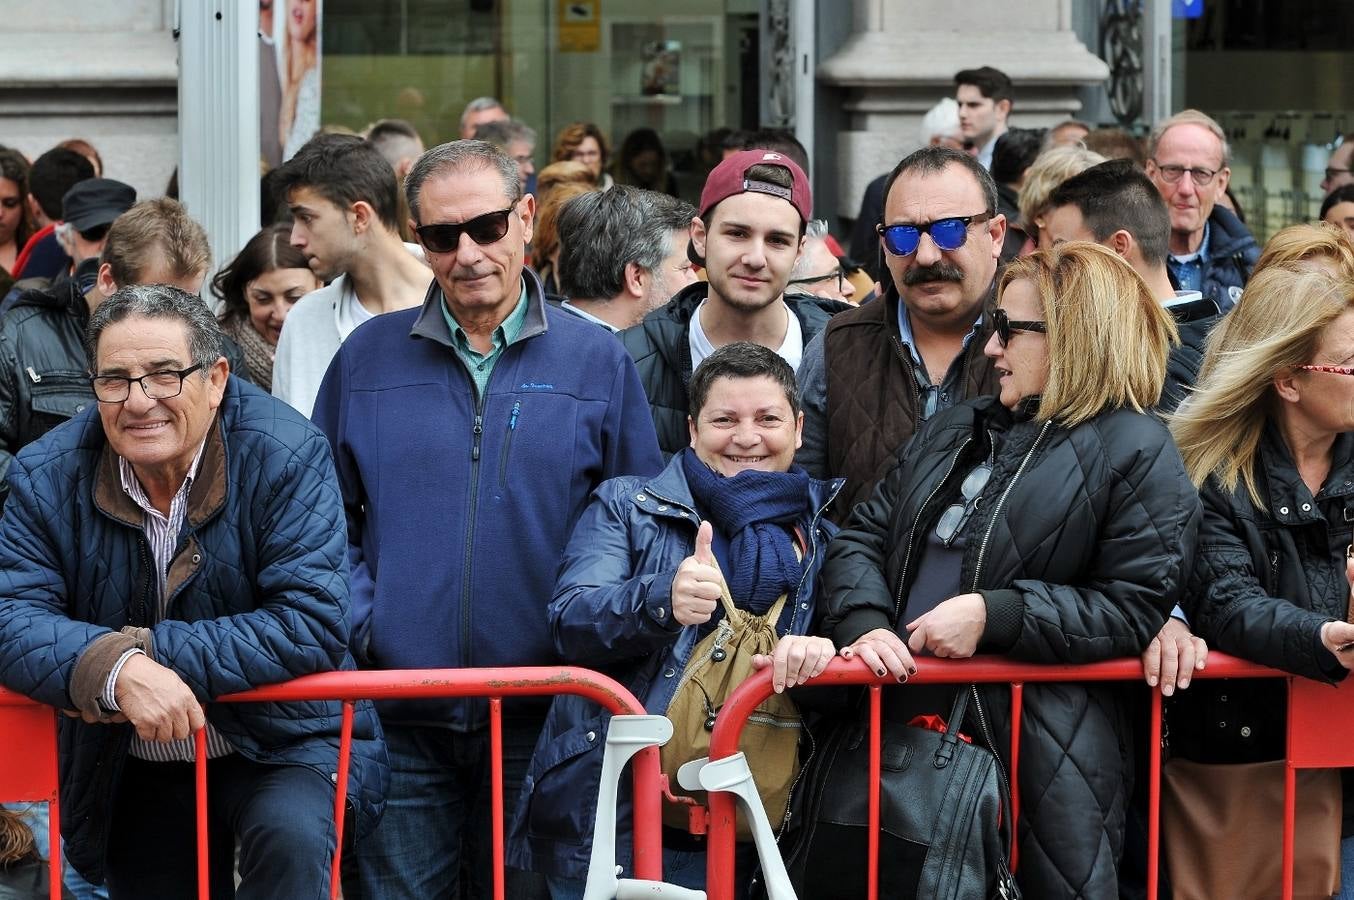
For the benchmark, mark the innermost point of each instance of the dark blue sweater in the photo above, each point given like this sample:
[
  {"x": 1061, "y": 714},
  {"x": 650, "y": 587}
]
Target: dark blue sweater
[{"x": 459, "y": 506}]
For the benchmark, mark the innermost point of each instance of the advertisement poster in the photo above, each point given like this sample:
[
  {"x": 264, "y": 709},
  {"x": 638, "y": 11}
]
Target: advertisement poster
[
  {"x": 661, "y": 69},
  {"x": 289, "y": 77},
  {"x": 580, "y": 26}
]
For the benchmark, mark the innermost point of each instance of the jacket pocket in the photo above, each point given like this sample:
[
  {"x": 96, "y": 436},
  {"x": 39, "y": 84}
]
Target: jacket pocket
[
  {"x": 562, "y": 782},
  {"x": 54, "y": 398},
  {"x": 506, "y": 452}
]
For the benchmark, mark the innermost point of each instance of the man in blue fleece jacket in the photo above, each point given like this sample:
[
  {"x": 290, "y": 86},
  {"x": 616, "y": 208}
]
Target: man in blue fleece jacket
[{"x": 468, "y": 435}]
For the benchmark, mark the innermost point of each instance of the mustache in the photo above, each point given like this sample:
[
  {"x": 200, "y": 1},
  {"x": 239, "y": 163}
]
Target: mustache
[{"x": 939, "y": 272}]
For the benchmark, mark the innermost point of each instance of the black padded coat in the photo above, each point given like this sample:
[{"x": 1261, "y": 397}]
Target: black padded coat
[{"x": 1079, "y": 549}]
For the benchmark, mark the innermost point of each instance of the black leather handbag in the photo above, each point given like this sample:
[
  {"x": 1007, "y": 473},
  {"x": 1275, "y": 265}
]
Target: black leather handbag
[{"x": 945, "y": 814}]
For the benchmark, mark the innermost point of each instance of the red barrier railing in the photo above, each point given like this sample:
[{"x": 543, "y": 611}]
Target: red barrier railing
[
  {"x": 28, "y": 767},
  {"x": 1319, "y": 736},
  {"x": 409, "y": 684}
]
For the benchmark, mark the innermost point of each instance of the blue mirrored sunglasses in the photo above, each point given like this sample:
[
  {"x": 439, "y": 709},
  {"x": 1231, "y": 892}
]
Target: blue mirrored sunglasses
[{"x": 949, "y": 234}]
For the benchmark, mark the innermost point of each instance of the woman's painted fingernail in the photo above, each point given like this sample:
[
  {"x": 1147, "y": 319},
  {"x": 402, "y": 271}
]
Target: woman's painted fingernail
[{"x": 880, "y": 672}]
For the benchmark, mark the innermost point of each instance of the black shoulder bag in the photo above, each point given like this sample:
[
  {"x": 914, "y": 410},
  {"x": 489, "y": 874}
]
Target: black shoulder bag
[{"x": 945, "y": 814}]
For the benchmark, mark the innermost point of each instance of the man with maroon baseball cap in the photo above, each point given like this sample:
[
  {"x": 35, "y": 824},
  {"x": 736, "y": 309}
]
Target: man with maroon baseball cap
[{"x": 750, "y": 229}]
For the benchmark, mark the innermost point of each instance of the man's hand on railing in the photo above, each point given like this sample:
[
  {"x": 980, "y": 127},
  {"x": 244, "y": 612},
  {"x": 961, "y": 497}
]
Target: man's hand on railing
[
  {"x": 1173, "y": 657},
  {"x": 796, "y": 659},
  {"x": 156, "y": 701},
  {"x": 884, "y": 652}
]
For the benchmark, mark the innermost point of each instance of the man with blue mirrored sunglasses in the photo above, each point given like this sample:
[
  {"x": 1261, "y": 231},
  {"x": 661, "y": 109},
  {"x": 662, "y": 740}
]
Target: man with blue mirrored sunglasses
[{"x": 878, "y": 371}]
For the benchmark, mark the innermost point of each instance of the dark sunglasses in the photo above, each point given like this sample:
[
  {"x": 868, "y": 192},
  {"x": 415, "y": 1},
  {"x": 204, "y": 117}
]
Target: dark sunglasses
[
  {"x": 483, "y": 230},
  {"x": 1005, "y": 327},
  {"x": 949, "y": 234}
]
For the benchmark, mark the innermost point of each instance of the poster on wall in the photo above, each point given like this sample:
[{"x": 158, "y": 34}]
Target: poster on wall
[
  {"x": 660, "y": 70},
  {"x": 289, "y": 77}
]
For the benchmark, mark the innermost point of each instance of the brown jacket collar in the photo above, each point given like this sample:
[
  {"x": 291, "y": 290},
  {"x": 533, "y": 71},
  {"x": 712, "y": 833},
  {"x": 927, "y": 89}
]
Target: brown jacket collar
[{"x": 207, "y": 495}]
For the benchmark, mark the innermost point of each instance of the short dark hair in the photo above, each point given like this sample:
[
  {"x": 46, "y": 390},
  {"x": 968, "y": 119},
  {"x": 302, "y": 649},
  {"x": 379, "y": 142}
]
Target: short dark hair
[
  {"x": 741, "y": 359},
  {"x": 780, "y": 140},
  {"x": 991, "y": 83},
  {"x": 1342, "y": 194},
  {"x": 270, "y": 249},
  {"x": 601, "y": 232},
  {"x": 461, "y": 156},
  {"x": 53, "y": 174},
  {"x": 159, "y": 301},
  {"x": 1114, "y": 195},
  {"x": 504, "y": 132},
  {"x": 1014, "y": 152},
  {"x": 14, "y": 167},
  {"x": 934, "y": 160},
  {"x": 343, "y": 169}
]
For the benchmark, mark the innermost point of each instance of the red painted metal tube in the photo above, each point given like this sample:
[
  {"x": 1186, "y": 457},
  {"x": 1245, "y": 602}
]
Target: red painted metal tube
[
  {"x": 872, "y": 854},
  {"x": 200, "y": 775},
  {"x": 1017, "y": 710},
  {"x": 54, "y": 833},
  {"x": 341, "y": 797},
  {"x": 1154, "y": 800},
  {"x": 496, "y": 789}
]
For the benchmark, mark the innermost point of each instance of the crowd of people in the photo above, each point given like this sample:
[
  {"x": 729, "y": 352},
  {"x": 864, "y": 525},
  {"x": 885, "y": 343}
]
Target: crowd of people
[{"x": 1050, "y": 400}]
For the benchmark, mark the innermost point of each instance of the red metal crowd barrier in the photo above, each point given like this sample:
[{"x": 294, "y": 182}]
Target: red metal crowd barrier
[
  {"x": 28, "y": 770},
  {"x": 1320, "y": 735}
]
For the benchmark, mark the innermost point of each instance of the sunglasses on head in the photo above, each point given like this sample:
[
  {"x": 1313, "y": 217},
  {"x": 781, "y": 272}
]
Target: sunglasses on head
[
  {"x": 949, "y": 234},
  {"x": 483, "y": 230},
  {"x": 1005, "y": 327}
]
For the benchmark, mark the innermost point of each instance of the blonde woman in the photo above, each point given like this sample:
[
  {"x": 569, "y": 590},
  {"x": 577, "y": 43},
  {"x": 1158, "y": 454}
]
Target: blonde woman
[
  {"x": 1051, "y": 524},
  {"x": 1051, "y": 168},
  {"x": 1268, "y": 436},
  {"x": 299, "y": 118},
  {"x": 1320, "y": 243}
]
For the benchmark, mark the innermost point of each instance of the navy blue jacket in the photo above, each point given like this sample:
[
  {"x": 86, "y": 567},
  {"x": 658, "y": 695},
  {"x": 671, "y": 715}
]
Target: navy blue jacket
[
  {"x": 258, "y": 595},
  {"x": 459, "y": 505},
  {"x": 612, "y": 612},
  {"x": 1232, "y": 255}
]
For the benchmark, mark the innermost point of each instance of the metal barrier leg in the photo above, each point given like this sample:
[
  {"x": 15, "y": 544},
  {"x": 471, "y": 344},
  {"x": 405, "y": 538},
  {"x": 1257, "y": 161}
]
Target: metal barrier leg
[
  {"x": 341, "y": 797},
  {"x": 626, "y": 736},
  {"x": 496, "y": 790},
  {"x": 204, "y": 890}
]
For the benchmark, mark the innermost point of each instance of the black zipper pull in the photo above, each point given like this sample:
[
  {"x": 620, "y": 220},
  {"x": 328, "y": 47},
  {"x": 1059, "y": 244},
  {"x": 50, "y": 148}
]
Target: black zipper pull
[{"x": 475, "y": 444}]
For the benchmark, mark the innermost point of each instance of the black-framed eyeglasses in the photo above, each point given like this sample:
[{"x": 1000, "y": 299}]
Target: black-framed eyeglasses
[
  {"x": 952, "y": 520},
  {"x": 1332, "y": 174},
  {"x": 903, "y": 238},
  {"x": 1005, "y": 326},
  {"x": 1172, "y": 174},
  {"x": 158, "y": 385},
  {"x": 444, "y": 237},
  {"x": 838, "y": 273}
]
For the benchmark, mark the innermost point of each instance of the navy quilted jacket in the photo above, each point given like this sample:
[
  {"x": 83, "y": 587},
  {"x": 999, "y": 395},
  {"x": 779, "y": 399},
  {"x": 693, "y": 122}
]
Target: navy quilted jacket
[{"x": 260, "y": 596}]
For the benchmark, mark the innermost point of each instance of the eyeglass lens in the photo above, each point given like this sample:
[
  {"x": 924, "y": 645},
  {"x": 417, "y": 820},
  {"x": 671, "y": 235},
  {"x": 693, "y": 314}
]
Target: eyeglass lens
[
  {"x": 949, "y": 234},
  {"x": 954, "y": 516},
  {"x": 483, "y": 230}
]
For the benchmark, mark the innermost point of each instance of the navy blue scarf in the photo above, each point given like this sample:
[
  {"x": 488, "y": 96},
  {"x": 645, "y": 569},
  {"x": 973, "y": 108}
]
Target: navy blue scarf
[{"x": 755, "y": 513}]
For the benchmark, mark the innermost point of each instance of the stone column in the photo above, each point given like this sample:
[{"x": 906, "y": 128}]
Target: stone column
[{"x": 902, "y": 58}]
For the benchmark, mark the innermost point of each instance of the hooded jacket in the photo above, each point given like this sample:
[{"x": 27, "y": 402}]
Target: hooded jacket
[{"x": 1078, "y": 547}]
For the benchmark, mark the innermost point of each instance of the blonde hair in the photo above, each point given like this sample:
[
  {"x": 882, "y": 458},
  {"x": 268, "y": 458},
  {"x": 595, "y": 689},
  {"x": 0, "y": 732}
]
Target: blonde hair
[
  {"x": 1274, "y": 328},
  {"x": 1050, "y": 169},
  {"x": 567, "y": 171},
  {"x": 1317, "y": 242},
  {"x": 1189, "y": 117},
  {"x": 1108, "y": 336}
]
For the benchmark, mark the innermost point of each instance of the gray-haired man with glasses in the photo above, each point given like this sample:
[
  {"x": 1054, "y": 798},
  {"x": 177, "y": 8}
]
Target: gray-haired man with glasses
[
  {"x": 818, "y": 271},
  {"x": 1211, "y": 250},
  {"x": 180, "y": 540}
]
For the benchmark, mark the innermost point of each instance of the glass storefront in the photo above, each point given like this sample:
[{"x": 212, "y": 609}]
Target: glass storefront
[{"x": 612, "y": 62}]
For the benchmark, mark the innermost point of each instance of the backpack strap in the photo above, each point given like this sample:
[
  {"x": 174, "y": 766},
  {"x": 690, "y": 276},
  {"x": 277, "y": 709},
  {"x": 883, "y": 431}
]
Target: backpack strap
[{"x": 731, "y": 610}]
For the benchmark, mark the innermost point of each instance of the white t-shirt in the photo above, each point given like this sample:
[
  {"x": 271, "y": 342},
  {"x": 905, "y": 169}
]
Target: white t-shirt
[{"x": 791, "y": 349}]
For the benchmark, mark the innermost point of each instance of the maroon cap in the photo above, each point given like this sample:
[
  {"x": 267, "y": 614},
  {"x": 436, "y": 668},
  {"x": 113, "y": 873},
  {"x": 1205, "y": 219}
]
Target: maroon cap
[{"x": 730, "y": 178}]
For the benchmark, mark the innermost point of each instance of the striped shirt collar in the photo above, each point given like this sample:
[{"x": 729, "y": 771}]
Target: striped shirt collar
[{"x": 132, "y": 486}]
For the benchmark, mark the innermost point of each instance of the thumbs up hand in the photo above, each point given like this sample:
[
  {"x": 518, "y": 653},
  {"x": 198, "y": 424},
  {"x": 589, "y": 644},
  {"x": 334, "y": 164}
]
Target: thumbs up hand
[{"x": 695, "y": 590}]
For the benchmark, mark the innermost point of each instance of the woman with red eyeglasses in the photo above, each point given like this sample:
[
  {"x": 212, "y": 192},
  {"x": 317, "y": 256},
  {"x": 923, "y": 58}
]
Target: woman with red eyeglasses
[
  {"x": 1268, "y": 435},
  {"x": 1050, "y": 524}
]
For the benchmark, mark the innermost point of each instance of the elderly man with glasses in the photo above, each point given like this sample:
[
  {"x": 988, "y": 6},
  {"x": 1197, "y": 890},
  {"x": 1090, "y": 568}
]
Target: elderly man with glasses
[
  {"x": 1211, "y": 250},
  {"x": 877, "y": 372},
  {"x": 468, "y": 434},
  {"x": 179, "y": 540},
  {"x": 818, "y": 271}
]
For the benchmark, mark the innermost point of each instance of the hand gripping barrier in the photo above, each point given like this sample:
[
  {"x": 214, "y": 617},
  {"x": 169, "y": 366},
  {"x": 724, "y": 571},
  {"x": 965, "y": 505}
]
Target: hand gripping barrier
[{"x": 1320, "y": 734}]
